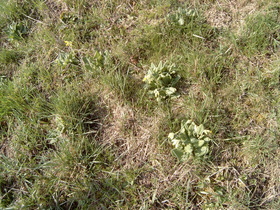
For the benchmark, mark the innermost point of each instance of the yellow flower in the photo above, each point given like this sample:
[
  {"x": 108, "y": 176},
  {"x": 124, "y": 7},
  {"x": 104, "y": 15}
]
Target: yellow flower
[
  {"x": 147, "y": 79},
  {"x": 68, "y": 43}
]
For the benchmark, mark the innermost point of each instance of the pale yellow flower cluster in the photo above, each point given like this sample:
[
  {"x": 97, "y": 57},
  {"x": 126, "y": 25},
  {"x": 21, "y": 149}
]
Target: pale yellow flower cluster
[{"x": 68, "y": 43}]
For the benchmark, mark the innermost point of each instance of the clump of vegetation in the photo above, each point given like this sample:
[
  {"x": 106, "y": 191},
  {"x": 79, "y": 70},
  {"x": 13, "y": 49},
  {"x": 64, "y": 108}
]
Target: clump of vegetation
[
  {"x": 182, "y": 16},
  {"x": 190, "y": 140},
  {"x": 66, "y": 58},
  {"x": 161, "y": 80},
  {"x": 96, "y": 62},
  {"x": 17, "y": 31}
]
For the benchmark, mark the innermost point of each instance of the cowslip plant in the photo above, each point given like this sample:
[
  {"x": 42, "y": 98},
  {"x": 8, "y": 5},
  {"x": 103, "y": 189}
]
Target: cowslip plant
[
  {"x": 190, "y": 140},
  {"x": 181, "y": 16},
  {"x": 67, "y": 17},
  {"x": 16, "y": 31},
  {"x": 57, "y": 133},
  {"x": 66, "y": 58},
  {"x": 97, "y": 61},
  {"x": 160, "y": 81}
]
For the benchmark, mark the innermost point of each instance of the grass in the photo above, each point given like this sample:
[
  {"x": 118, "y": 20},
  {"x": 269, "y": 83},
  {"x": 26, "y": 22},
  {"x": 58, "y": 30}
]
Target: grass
[{"x": 78, "y": 129}]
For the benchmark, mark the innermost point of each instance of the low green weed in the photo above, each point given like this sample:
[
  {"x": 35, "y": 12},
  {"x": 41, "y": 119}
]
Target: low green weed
[
  {"x": 97, "y": 61},
  {"x": 182, "y": 16},
  {"x": 66, "y": 58},
  {"x": 190, "y": 140},
  {"x": 17, "y": 31},
  {"x": 68, "y": 18},
  {"x": 191, "y": 23},
  {"x": 160, "y": 81}
]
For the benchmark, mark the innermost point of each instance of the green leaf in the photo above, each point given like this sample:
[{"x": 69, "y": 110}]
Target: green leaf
[
  {"x": 188, "y": 149},
  {"x": 182, "y": 130},
  {"x": 165, "y": 79},
  {"x": 202, "y": 151},
  {"x": 183, "y": 136},
  {"x": 200, "y": 143},
  {"x": 193, "y": 140},
  {"x": 199, "y": 129},
  {"x": 160, "y": 65},
  {"x": 171, "y": 135},
  {"x": 157, "y": 93},
  {"x": 207, "y": 139},
  {"x": 175, "y": 80},
  {"x": 178, "y": 153},
  {"x": 176, "y": 142},
  {"x": 181, "y": 21},
  {"x": 169, "y": 91}
]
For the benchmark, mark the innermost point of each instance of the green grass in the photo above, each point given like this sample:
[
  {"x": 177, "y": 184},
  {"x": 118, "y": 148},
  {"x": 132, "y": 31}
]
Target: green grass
[{"x": 78, "y": 129}]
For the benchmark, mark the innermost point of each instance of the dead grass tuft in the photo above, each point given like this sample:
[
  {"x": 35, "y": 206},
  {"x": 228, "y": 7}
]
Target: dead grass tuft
[
  {"x": 225, "y": 14},
  {"x": 131, "y": 135}
]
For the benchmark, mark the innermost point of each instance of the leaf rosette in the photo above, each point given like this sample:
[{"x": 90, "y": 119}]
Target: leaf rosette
[
  {"x": 190, "y": 140},
  {"x": 160, "y": 81}
]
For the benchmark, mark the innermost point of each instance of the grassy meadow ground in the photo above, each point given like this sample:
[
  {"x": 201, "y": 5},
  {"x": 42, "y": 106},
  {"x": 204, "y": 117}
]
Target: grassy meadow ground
[{"x": 81, "y": 129}]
